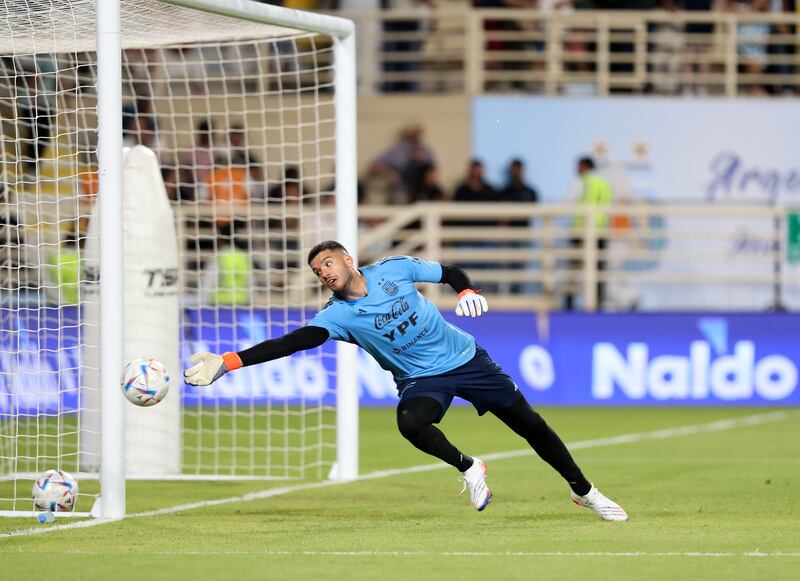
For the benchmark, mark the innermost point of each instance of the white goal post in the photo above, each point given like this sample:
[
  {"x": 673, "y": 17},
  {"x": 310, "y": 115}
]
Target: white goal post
[{"x": 250, "y": 111}]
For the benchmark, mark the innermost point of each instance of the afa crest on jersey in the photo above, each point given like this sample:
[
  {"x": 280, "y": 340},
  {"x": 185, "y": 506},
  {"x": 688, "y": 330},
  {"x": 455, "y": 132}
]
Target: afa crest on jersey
[{"x": 390, "y": 288}]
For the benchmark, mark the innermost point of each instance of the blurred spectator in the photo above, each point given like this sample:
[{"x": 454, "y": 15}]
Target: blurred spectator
[
  {"x": 184, "y": 68},
  {"x": 595, "y": 191},
  {"x": 753, "y": 40},
  {"x": 228, "y": 279},
  {"x": 783, "y": 47},
  {"x": 63, "y": 273},
  {"x": 492, "y": 25},
  {"x": 285, "y": 203},
  {"x": 227, "y": 187},
  {"x": 291, "y": 189},
  {"x": 400, "y": 164},
  {"x": 241, "y": 156},
  {"x": 141, "y": 130},
  {"x": 403, "y": 36},
  {"x": 34, "y": 102},
  {"x": 516, "y": 189},
  {"x": 427, "y": 187},
  {"x": 139, "y": 68},
  {"x": 200, "y": 159},
  {"x": 187, "y": 181},
  {"x": 475, "y": 188},
  {"x": 698, "y": 43},
  {"x": 668, "y": 47},
  {"x": 227, "y": 183}
]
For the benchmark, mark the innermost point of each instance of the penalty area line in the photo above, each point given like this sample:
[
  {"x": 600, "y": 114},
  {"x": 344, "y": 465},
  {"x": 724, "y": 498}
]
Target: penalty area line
[{"x": 693, "y": 429}]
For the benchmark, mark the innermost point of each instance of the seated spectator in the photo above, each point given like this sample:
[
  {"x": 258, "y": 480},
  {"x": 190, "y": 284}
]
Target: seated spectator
[
  {"x": 400, "y": 163},
  {"x": 285, "y": 201},
  {"x": 753, "y": 44},
  {"x": 474, "y": 188},
  {"x": 427, "y": 187},
  {"x": 195, "y": 164},
  {"x": 241, "y": 156},
  {"x": 291, "y": 189},
  {"x": 141, "y": 130},
  {"x": 516, "y": 189},
  {"x": 63, "y": 273},
  {"x": 404, "y": 36},
  {"x": 227, "y": 187},
  {"x": 35, "y": 104}
]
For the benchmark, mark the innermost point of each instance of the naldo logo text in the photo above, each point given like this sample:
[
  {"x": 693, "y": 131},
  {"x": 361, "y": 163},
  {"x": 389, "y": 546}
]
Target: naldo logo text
[{"x": 709, "y": 370}]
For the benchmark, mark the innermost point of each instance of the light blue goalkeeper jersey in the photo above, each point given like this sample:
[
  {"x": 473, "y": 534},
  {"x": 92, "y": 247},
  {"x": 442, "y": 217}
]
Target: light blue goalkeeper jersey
[{"x": 401, "y": 329}]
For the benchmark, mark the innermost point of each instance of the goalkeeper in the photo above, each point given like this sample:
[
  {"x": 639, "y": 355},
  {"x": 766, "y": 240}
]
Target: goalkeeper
[{"x": 378, "y": 308}]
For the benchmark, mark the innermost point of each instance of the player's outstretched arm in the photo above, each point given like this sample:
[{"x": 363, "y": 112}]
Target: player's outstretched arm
[
  {"x": 470, "y": 303},
  {"x": 209, "y": 367}
]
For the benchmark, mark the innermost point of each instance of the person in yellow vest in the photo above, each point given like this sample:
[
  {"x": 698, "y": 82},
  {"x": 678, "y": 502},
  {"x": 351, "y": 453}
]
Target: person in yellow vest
[
  {"x": 234, "y": 277},
  {"x": 595, "y": 191},
  {"x": 63, "y": 274}
]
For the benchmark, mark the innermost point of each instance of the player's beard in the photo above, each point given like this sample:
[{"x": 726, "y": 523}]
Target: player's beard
[{"x": 345, "y": 289}]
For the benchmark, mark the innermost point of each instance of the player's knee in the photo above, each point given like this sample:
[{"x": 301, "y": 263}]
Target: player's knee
[
  {"x": 409, "y": 423},
  {"x": 414, "y": 415}
]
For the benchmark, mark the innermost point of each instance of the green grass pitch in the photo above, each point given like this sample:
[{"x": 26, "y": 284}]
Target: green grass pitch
[{"x": 700, "y": 505}]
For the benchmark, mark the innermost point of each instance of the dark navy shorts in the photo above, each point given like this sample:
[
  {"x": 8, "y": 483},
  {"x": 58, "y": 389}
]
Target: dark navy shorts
[{"x": 480, "y": 381}]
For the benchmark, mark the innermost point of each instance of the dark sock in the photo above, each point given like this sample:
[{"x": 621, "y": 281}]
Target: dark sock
[
  {"x": 415, "y": 417},
  {"x": 525, "y": 422}
]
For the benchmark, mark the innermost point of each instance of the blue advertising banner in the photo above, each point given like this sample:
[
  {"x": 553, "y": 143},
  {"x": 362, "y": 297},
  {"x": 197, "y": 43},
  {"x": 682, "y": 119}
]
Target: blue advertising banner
[{"x": 565, "y": 359}]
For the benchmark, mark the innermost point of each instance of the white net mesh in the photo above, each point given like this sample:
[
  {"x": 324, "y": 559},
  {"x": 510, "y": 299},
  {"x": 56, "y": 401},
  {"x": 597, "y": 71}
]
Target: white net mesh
[{"x": 241, "y": 117}]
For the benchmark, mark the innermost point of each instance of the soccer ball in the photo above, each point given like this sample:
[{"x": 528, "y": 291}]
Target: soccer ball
[
  {"x": 145, "y": 382},
  {"x": 55, "y": 490}
]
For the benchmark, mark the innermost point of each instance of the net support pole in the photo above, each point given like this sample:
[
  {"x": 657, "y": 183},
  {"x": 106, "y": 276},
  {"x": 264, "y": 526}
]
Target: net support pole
[
  {"x": 109, "y": 153},
  {"x": 347, "y": 234}
]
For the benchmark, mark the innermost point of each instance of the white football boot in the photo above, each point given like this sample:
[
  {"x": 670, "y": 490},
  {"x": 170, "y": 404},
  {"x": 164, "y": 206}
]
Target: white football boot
[
  {"x": 475, "y": 479},
  {"x": 598, "y": 502}
]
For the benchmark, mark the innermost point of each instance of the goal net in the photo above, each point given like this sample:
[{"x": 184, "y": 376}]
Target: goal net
[{"x": 241, "y": 110}]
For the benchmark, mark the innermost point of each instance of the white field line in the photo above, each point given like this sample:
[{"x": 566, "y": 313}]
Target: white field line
[
  {"x": 273, "y": 553},
  {"x": 716, "y": 426}
]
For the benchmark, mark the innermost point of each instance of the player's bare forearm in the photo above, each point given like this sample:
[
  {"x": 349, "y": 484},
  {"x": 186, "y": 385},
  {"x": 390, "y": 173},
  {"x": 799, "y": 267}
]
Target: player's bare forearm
[{"x": 299, "y": 340}]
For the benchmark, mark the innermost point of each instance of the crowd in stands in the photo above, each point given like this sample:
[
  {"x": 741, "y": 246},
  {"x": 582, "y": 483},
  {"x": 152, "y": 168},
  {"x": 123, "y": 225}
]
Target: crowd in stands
[
  {"x": 407, "y": 171},
  {"x": 676, "y": 49}
]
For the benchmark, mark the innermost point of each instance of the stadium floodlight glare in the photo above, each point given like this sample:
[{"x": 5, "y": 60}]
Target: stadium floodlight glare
[{"x": 234, "y": 153}]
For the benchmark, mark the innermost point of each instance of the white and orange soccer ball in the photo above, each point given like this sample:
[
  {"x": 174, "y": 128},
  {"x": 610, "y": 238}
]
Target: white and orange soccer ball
[
  {"x": 145, "y": 382},
  {"x": 55, "y": 491}
]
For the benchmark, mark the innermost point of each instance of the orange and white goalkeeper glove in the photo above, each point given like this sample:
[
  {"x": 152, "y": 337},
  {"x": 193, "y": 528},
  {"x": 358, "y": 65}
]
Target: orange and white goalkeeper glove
[
  {"x": 210, "y": 367},
  {"x": 471, "y": 304}
]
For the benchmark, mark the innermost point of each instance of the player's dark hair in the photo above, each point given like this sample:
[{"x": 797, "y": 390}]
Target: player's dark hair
[
  {"x": 586, "y": 161},
  {"x": 323, "y": 246}
]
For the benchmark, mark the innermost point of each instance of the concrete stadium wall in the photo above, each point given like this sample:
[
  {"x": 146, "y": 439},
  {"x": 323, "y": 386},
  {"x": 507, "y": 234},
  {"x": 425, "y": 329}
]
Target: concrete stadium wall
[{"x": 446, "y": 121}]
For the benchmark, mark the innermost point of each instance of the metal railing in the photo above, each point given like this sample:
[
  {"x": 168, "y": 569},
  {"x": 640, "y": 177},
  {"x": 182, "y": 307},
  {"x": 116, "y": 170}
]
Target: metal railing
[
  {"x": 579, "y": 53},
  {"x": 538, "y": 257},
  {"x": 624, "y": 257}
]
